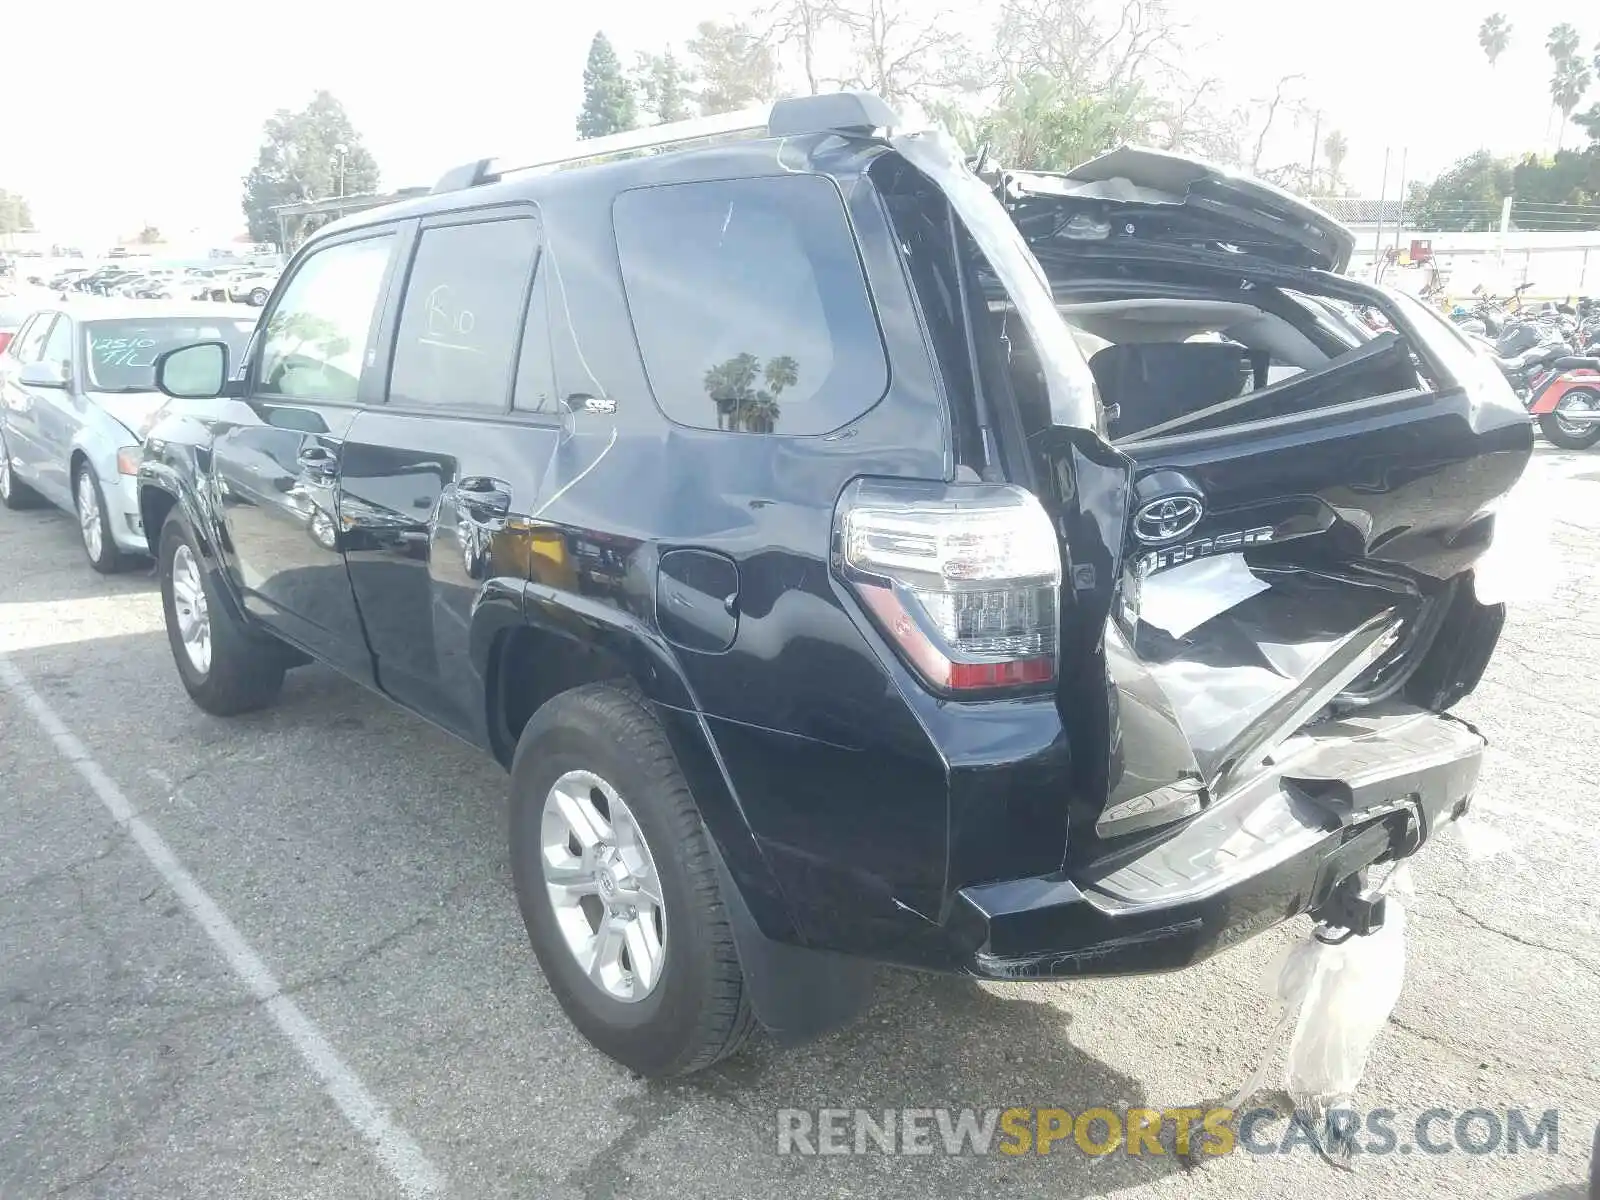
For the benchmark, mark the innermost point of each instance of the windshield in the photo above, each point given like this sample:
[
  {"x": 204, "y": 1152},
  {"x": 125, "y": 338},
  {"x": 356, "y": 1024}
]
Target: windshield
[{"x": 121, "y": 355}]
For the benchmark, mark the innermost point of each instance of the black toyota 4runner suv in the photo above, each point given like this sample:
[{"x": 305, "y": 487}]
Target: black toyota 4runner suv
[{"x": 857, "y": 554}]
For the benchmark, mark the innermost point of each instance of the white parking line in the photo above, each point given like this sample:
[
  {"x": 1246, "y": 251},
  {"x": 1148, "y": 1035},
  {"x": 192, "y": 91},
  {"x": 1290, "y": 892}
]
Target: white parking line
[{"x": 394, "y": 1148}]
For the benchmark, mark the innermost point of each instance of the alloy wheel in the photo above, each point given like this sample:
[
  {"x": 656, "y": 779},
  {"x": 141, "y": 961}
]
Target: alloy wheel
[
  {"x": 603, "y": 886},
  {"x": 189, "y": 605},
  {"x": 1575, "y": 402},
  {"x": 89, "y": 516}
]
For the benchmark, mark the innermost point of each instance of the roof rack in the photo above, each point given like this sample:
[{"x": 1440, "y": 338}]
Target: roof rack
[{"x": 854, "y": 113}]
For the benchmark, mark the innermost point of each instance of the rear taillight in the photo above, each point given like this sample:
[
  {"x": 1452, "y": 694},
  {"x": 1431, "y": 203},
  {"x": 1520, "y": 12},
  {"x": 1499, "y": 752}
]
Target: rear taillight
[
  {"x": 963, "y": 579},
  {"x": 5, "y": 339}
]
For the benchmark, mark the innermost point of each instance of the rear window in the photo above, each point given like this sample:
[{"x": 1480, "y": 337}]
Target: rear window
[
  {"x": 749, "y": 304},
  {"x": 461, "y": 322},
  {"x": 120, "y": 355}
]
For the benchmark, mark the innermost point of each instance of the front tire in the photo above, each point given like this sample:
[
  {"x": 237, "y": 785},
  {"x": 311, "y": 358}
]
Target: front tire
[
  {"x": 618, "y": 888},
  {"x": 258, "y": 298},
  {"x": 94, "y": 522},
  {"x": 1572, "y": 437},
  {"x": 13, "y": 494},
  {"x": 226, "y": 667}
]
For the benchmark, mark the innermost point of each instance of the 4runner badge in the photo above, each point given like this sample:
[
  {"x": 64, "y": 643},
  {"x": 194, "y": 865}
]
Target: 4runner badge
[{"x": 1222, "y": 543}]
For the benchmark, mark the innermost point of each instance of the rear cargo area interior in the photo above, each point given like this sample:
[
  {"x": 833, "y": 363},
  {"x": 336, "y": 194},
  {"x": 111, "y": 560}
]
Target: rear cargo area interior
[
  {"x": 1243, "y": 648},
  {"x": 1173, "y": 361}
]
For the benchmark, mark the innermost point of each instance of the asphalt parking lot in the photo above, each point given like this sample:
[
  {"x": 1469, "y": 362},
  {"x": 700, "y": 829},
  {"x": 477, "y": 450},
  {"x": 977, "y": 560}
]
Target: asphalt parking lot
[{"x": 340, "y": 1001}]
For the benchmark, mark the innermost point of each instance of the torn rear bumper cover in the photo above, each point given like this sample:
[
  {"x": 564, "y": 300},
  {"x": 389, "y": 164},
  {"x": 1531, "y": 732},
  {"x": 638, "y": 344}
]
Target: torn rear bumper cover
[{"x": 1347, "y": 795}]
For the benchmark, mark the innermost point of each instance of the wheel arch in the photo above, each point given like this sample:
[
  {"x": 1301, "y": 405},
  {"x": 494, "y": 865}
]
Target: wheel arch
[{"x": 565, "y": 641}]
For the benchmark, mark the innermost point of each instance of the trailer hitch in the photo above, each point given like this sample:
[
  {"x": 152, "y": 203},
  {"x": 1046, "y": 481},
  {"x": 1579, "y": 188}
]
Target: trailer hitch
[{"x": 1354, "y": 909}]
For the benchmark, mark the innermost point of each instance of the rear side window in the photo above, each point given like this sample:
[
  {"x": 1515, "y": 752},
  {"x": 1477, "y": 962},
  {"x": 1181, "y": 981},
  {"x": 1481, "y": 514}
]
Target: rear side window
[
  {"x": 749, "y": 304},
  {"x": 31, "y": 340},
  {"x": 461, "y": 321}
]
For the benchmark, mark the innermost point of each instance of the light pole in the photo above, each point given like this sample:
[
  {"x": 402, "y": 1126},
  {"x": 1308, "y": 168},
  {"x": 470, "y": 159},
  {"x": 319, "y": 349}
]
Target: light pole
[{"x": 341, "y": 150}]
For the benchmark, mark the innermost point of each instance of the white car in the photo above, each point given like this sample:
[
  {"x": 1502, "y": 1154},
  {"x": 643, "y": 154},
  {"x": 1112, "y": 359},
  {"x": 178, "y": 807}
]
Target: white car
[{"x": 77, "y": 392}]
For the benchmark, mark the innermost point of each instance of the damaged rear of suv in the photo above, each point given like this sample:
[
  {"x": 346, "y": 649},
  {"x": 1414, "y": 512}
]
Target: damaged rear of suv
[{"x": 863, "y": 559}]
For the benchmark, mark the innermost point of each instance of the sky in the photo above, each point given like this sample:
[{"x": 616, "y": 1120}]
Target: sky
[{"x": 116, "y": 117}]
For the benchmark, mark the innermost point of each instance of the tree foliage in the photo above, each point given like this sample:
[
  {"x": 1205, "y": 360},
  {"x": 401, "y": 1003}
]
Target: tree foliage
[
  {"x": 14, "y": 214},
  {"x": 1467, "y": 196},
  {"x": 149, "y": 236},
  {"x": 608, "y": 100},
  {"x": 662, "y": 88},
  {"x": 299, "y": 161},
  {"x": 734, "y": 67}
]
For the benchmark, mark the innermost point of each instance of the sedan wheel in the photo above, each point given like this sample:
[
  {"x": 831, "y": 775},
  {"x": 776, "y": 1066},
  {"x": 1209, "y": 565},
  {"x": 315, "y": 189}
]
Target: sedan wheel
[
  {"x": 89, "y": 516},
  {"x": 189, "y": 605},
  {"x": 602, "y": 883}
]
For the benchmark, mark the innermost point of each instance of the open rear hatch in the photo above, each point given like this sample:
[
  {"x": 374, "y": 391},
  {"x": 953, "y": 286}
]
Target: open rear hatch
[{"x": 1268, "y": 514}]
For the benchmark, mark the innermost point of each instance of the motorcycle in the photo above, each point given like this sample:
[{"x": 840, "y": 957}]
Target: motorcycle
[{"x": 1565, "y": 402}]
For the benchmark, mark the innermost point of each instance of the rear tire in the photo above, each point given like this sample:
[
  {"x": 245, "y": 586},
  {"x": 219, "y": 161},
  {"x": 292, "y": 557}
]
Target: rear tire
[
  {"x": 695, "y": 1011},
  {"x": 1558, "y": 434},
  {"x": 233, "y": 669}
]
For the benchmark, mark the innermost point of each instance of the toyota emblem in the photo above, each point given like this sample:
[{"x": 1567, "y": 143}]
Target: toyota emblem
[{"x": 1168, "y": 518}]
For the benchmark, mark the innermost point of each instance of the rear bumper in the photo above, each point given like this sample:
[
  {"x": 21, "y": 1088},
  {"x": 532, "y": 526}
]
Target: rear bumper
[{"x": 1348, "y": 795}]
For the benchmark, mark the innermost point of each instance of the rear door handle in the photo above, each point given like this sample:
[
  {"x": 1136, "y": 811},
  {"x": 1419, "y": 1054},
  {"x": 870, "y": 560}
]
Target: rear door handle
[
  {"x": 483, "y": 497},
  {"x": 319, "y": 461}
]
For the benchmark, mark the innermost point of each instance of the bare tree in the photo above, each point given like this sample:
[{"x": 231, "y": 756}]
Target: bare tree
[
  {"x": 901, "y": 49},
  {"x": 1337, "y": 148},
  {"x": 801, "y": 24},
  {"x": 1280, "y": 101}
]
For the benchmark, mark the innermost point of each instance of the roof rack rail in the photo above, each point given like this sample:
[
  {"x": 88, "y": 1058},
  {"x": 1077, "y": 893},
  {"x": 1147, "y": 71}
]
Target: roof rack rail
[{"x": 858, "y": 113}]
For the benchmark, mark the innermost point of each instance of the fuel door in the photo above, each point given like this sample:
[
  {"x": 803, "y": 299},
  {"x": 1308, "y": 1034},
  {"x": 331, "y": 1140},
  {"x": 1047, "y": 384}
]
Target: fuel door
[{"x": 697, "y": 600}]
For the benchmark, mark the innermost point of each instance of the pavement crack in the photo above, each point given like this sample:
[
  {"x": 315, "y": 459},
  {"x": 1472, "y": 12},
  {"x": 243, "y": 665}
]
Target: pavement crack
[
  {"x": 65, "y": 870},
  {"x": 1512, "y": 936},
  {"x": 1475, "y": 1059},
  {"x": 605, "y": 1176},
  {"x": 340, "y": 971}
]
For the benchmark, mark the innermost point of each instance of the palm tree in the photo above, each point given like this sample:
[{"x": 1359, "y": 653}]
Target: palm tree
[
  {"x": 1494, "y": 35},
  {"x": 1567, "y": 86},
  {"x": 1562, "y": 46},
  {"x": 1562, "y": 43},
  {"x": 1337, "y": 149}
]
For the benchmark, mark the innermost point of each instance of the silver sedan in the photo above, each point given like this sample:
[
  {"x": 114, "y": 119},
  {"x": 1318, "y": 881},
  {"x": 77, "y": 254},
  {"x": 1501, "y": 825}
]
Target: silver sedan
[{"x": 77, "y": 392}]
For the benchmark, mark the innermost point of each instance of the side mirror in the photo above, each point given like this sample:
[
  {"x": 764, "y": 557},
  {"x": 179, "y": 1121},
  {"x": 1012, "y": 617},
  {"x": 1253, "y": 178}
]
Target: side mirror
[
  {"x": 43, "y": 375},
  {"x": 196, "y": 372}
]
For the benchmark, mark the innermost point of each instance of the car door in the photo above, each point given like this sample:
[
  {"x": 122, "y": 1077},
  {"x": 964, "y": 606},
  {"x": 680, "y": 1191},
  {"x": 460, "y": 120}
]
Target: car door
[
  {"x": 439, "y": 482},
  {"x": 58, "y": 412},
  {"x": 277, "y": 467},
  {"x": 22, "y": 403}
]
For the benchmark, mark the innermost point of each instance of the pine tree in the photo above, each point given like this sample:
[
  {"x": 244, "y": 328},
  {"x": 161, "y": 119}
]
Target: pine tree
[{"x": 608, "y": 100}]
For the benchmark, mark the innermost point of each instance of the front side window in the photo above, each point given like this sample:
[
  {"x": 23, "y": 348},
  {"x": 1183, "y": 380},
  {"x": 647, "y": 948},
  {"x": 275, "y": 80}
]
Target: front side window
[
  {"x": 58, "y": 347},
  {"x": 749, "y": 304},
  {"x": 461, "y": 321},
  {"x": 120, "y": 355},
  {"x": 316, "y": 340}
]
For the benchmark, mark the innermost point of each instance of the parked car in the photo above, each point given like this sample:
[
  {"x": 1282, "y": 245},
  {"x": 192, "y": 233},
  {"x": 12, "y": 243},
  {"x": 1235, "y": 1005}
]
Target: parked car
[
  {"x": 11, "y": 319},
  {"x": 755, "y": 505},
  {"x": 251, "y": 287},
  {"x": 76, "y": 393}
]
